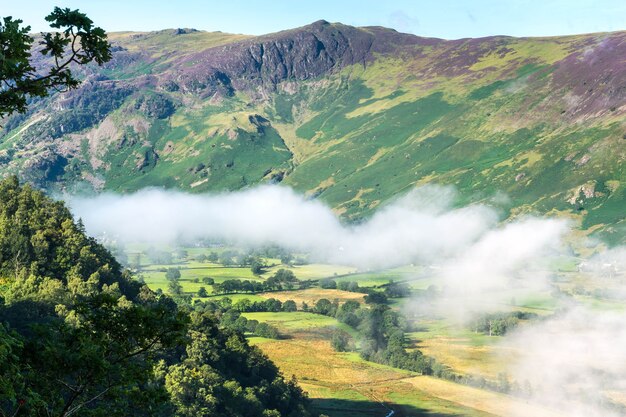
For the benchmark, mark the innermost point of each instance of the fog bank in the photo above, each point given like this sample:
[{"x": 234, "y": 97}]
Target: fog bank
[
  {"x": 572, "y": 361},
  {"x": 420, "y": 226}
]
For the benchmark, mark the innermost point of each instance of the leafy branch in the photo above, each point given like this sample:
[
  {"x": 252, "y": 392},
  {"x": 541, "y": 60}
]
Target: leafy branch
[{"x": 78, "y": 42}]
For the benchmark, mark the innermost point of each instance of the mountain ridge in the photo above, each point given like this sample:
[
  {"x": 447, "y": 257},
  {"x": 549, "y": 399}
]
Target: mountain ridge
[{"x": 353, "y": 116}]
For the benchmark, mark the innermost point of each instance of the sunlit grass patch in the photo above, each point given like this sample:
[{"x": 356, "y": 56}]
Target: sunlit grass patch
[{"x": 312, "y": 295}]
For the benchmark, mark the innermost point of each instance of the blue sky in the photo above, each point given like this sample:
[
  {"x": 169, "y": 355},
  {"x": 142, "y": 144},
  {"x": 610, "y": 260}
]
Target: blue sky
[{"x": 448, "y": 19}]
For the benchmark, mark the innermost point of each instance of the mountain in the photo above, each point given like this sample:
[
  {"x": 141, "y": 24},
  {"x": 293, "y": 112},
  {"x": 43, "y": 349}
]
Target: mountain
[{"x": 353, "y": 116}]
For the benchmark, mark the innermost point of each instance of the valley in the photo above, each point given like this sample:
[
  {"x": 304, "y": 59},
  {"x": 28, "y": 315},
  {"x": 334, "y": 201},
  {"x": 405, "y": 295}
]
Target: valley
[
  {"x": 343, "y": 383},
  {"x": 324, "y": 221}
]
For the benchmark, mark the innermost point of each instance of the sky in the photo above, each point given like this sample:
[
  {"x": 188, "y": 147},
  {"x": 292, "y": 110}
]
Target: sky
[{"x": 449, "y": 19}]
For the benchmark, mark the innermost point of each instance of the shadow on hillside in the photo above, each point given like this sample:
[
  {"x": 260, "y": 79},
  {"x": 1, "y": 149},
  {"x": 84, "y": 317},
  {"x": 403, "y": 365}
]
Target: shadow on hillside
[{"x": 353, "y": 408}]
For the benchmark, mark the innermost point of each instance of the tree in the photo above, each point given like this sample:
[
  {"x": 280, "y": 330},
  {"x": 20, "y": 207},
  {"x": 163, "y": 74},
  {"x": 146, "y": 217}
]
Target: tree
[
  {"x": 376, "y": 298},
  {"x": 290, "y": 306},
  {"x": 267, "y": 331},
  {"x": 257, "y": 267},
  {"x": 181, "y": 254},
  {"x": 222, "y": 376},
  {"x": 78, "y": 42},
  {"x": 80, "y": 337},
  {"x": 397, "y": 290},
  {"x": 323, "y": 306},
  {"x": 226, "y": 259},
  {"x": 172, "y": 274},
  {"x": 286, "y": 259},
  {"x": 273, "y": 305},
  {"x": 328, "y": 284},
  {"x": 202, "y": 292},
  {"x": 340, "y": 341},
  {"x": 174, "y": 287}
]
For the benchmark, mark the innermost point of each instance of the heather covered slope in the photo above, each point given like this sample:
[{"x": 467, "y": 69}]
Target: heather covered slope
[{"x": 352, "y": 116}]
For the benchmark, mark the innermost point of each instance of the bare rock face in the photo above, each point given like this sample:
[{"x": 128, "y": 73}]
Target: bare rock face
[{"x": 299, "y": 54}]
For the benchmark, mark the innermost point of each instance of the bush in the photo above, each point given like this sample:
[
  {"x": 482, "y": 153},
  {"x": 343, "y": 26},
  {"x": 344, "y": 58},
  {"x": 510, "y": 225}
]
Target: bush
[{"x": 340, "y": 341}]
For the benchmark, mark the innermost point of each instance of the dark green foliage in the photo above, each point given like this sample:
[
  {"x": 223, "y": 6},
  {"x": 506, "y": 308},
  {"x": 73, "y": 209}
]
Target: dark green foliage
[
  {"x": 323, "y": 306},
  {"x": 231, "y": 286},
  {"x": 79, "y": 336},
  {"x": 226, "y": 258},
  {"x": 202, "y": 292},
  {"x": 231, "y": 318},
  {"x": 340, "y": 341},
  {"x": 397, "y": 290},
  {"x": 282, "y": 279},
  {"x": 382, "y": 337},
  {"x": 351, "y": 286},
  {"x": 289, "y": 306},
  {"x": 257, "y": 267},
  {"x": 220, "y": 375},
  {"x": 376, "y": 298},
  {"x": 266, "y": 330},
  {"x": 85, "y": 329},
  {"x": 486, "y": 91}
]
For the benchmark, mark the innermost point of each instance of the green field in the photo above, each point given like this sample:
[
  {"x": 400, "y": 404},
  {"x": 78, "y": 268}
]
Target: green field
[{"x": 343, "y": 384}]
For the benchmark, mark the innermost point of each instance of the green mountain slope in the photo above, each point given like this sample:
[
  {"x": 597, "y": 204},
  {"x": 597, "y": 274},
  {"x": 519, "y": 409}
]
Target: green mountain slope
[{"x": 352, "y": 116}]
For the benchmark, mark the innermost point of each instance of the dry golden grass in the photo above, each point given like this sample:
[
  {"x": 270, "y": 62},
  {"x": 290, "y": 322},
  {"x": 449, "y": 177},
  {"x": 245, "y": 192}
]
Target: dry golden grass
[
  {"x": 489, "y": 402},
  {"x": 459, "y": 354},
  {"x": 327, "y": 375},
  {"x": 315, "y": 362},
  {"x": 311, "y": 295}
]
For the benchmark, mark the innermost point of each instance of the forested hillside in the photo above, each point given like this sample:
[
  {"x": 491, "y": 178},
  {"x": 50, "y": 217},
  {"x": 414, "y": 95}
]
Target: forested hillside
[{"x": 79, "y": 336}]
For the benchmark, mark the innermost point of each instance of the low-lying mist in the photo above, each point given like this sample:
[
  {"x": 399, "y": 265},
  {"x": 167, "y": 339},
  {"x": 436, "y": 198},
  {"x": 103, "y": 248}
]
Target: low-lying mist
[
  {"x": 422, "y": 226},
  {"x": 573, "y": 359}
]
